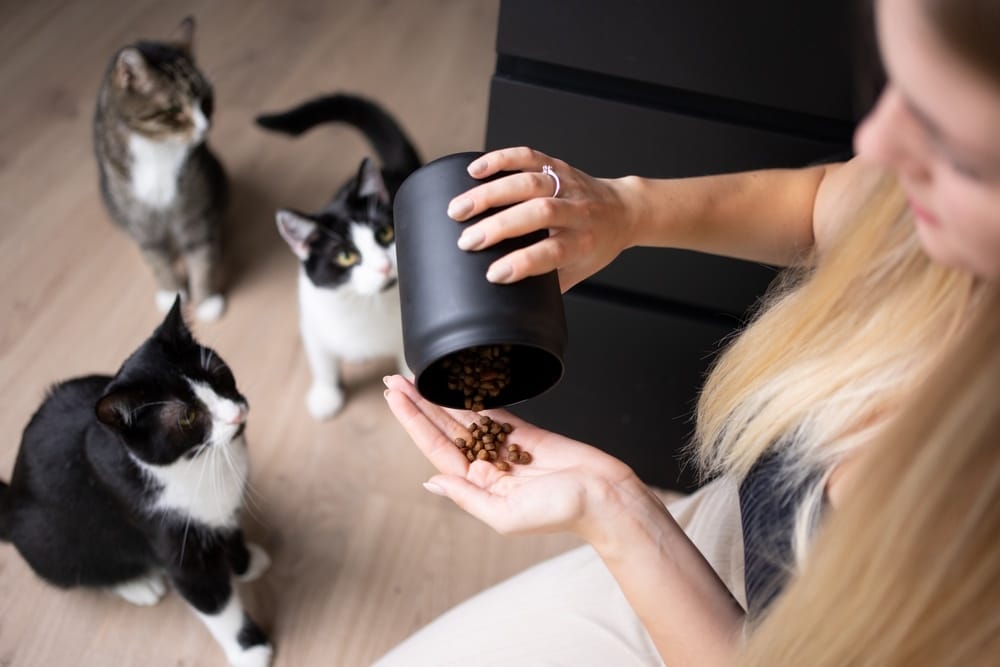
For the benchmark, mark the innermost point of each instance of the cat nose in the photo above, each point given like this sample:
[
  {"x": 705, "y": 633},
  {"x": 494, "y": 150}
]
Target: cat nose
[
  {"x": 240, "y": 416},
  {"x": 385, "y": 269}
]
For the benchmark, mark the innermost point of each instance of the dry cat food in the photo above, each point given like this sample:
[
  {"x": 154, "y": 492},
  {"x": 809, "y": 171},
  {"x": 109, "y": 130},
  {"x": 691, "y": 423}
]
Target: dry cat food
[
  {"x": 478, "y": 372},
  {"x": 487, "y": 438}
]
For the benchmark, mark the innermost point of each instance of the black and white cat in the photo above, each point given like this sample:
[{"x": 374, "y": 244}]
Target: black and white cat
[
  {"x": 348, "y": 298},
  {"x": 126, "y": 482},
  {"x": 159, "y": 180}
]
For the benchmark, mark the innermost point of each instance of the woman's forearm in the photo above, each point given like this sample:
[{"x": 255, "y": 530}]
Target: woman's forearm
[
  {"x": 763, "y": 216},
  {"x": 691, "y": 616}
]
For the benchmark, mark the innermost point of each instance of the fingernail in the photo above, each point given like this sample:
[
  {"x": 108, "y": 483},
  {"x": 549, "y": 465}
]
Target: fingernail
[
  {"x": 477, "y": 167},
  {"x": 385, "y": 380},
  {"x": 498, "y": 272},
  {"x": 470, "y": 238},
  {"x": 435, "y": 489},
  {"x": 459, "y": 208},
  {"x": 385, "y": 394}
]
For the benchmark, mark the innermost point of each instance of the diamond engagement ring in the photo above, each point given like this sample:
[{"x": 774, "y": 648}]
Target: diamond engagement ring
[{"x": 547, "y": 170}]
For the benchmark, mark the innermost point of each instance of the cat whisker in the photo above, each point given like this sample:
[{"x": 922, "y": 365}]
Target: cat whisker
[
  {"x": 187, "y": 521},
  {"x": 251, "y": 494}
]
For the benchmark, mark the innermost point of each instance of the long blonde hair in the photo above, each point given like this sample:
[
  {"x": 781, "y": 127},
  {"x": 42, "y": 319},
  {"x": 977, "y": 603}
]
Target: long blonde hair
[
  {"x": 835, "y": 349},
  {"x": 833, "y": 352},
  {"x": 906, "y": 571}
]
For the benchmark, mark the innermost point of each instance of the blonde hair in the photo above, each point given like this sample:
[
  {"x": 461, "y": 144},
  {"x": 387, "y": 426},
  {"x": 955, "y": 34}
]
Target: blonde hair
[
  {"x": 833, "y": 351},
  {"x": 906, "y": 571}
]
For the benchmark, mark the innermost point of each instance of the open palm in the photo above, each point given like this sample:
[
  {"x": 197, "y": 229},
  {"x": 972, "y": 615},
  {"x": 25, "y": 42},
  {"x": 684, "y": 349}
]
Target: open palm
[{"x": 561, "y": 489}]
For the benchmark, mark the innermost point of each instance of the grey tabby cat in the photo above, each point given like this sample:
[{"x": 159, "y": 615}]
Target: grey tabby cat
[{"x": 159, "y": 180}]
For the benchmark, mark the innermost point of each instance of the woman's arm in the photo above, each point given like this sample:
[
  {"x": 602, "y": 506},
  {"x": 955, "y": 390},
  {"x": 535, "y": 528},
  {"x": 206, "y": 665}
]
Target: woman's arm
[
  {"x": 690, "y": 615},
  {"x": 765, "y": 216},
  {"x": 571, "y": 486}
]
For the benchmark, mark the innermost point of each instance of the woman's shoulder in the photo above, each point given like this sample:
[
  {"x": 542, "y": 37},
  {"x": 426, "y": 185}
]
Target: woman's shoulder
[{"x": 845, "y": 189}]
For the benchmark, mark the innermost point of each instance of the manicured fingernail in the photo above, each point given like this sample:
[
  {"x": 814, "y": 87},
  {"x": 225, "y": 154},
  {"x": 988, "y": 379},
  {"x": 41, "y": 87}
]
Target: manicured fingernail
[
  {"x": 498, "y": 272},
  {"x": 459, "y": 208},
  {"x": 470, "y": 238},
  {"x": 385, "y": 380},
  {"x": 435, "y": 489},
  {"x": 477, "y": 167}
]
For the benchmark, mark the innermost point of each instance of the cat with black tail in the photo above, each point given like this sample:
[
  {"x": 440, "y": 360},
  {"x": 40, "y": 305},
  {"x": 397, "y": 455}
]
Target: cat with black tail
[
  {"x": 348, "y": 298},
  {"x": 133, "y": 481}
]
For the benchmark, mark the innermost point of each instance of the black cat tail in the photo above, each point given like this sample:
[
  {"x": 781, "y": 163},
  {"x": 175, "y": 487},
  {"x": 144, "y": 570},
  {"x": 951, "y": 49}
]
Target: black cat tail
[
  {"x": 393, "y": 146},
  {"x": 4, "y": 511}
]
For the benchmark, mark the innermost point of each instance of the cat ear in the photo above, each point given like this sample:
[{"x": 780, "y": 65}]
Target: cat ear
[
  {"x": 114, "y": 409},
  {"x": 296, "y": 229},
  {"x": 131, "y": 71},
  {"x": 183, "y": 37},
  {"x": 370, "y": 181},
  {"x": 173, "y": 327}
]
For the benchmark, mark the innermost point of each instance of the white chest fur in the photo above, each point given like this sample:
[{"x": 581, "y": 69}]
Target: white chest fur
[
  {"x": 155, "y": 168},
  {"x": 349, "y": 325},
  {"x": 207, "y": 488}
]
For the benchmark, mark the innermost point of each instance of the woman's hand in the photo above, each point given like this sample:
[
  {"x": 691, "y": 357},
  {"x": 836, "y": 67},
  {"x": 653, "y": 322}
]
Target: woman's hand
[
  {"x": 568, "y": 486},
  {"x": 590, "y": 221}
]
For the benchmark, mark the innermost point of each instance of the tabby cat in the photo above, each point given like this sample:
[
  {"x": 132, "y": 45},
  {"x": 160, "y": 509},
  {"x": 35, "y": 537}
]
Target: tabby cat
[
  {"x": 348, "y": 298},
  {"x": 158, "y": 178},
  {"x": 124, "y": 482}
]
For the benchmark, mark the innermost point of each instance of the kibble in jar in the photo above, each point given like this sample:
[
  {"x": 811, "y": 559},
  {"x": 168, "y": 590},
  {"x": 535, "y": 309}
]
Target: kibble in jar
[
  {"x": 478, "y": 373},
  {"x": 487, "y": 437}
]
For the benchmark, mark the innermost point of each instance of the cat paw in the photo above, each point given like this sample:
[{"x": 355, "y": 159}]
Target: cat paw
[
  {"x": 259, "y": 562},
  {"x": 165, "y": 299},
  {"x": 324, "y": 401},
  {"x": 144, "y": 592},
  {"x": 211, "y": 309},
  {"x": 255, "y": 656}
]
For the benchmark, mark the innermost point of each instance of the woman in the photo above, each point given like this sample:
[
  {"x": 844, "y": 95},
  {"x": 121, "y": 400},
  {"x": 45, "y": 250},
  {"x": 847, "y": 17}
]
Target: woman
[{"x": 893, "y": 252}]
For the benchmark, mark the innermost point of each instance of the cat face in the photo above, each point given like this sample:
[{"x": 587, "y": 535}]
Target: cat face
[
  {"x": 351, "y": 244},
  {"x": 173, "y": 398},
  {"x": 159, "y": 92}
]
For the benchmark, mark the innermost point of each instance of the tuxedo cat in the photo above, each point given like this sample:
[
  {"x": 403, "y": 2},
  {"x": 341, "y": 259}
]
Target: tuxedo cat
[
  {"x": 159, "y": 180},
  {"x": 348, "y": 298},
  {"x": 124, "y": 482}
]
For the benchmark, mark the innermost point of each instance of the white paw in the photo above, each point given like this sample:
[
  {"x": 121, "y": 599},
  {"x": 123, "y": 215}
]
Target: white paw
[
  {"x": 324, "y": 401},
  {"x": 144, "y": 592},
  {"x": 211, "y": 309},
  {"x": 165, "y": 299},
  {"x": 255, "y": 656},
  {"x": 259, "y": 562}
]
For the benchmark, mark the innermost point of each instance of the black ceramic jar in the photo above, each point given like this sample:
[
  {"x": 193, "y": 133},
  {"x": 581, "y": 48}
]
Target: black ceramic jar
[{"x": 449, "y": 309}]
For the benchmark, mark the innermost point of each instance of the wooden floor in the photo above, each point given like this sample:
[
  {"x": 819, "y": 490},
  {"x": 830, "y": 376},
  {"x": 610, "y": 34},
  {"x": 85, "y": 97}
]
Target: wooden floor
[{"x": 362, "y": 554}]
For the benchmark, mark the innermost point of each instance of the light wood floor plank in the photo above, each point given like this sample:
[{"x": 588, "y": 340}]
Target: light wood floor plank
[{"x": 362, "y": 554}]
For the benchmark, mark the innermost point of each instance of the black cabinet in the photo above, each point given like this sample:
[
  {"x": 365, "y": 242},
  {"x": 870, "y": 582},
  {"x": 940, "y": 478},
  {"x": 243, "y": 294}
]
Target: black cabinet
[{"x": 666, "y": 88}]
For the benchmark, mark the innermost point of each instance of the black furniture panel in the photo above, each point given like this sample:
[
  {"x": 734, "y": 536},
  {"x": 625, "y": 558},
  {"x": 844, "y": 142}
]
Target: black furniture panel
[
  {"x": 627, "y": 388},
  {"x": 665, "y": 88},
  {"x": 611, "y": 138},
  {"x": 783, "y": 54}
]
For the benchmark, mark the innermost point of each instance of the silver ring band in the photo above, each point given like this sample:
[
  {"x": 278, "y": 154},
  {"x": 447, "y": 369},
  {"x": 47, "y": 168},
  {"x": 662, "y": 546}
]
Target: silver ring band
[{"x": 547, "y": 170}]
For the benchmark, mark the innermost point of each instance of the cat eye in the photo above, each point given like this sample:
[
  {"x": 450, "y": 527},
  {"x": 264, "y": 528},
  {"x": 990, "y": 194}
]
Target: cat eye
[
  {"x": 346, "y": 258},
  {"x": 188, "y": 418},
  {"x": 174, "y": 112},
  {"x": 385, "y": 235}
]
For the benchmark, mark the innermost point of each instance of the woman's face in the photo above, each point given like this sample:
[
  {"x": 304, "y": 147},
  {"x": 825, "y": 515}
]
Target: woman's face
[{"x": 937, "y": 124}]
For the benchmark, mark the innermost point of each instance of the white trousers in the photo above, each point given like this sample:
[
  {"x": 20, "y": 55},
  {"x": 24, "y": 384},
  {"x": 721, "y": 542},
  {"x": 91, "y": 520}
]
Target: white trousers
[{"x": 568, "y": 611}]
